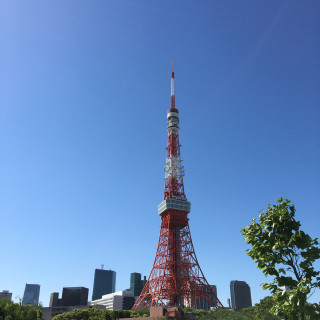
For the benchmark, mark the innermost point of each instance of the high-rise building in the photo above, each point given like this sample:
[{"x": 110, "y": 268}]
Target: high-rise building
[
  {"x": 54, "y": 299},
  {"x": 203, "y": 304},
  {"x": 144, "y": 281},
  {"x": 74, "y": 296},
  {"x": 240, "y": 295},
  {"x": 6, "y": 294},
  {"x": 104, "y": 283},
  {"x": 136, "y": 283},
  {"x": 31, "y": 294}
]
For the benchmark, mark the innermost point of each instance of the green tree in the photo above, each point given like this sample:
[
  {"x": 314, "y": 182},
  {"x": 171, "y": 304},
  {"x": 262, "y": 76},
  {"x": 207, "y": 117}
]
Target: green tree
[
  {"x": 285, "y": 252},
  {"x": 101, "y": 314},
  {"x": 14, "y": 311},
  {"x": 225, "y": 314},
  {"x": 262, "y": 309}
]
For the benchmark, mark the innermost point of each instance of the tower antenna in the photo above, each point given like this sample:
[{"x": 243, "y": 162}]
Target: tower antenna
[{"x": 173, "y": 102}]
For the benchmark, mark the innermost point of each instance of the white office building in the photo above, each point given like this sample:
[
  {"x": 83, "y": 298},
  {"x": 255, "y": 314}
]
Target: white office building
[{"x": 121, "y": 300}]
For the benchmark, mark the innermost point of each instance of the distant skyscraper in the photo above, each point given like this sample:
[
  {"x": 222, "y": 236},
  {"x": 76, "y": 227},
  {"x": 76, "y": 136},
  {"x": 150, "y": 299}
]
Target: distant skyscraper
[
  {"x": 144, "y": 281},
  {"x": 202, "y": 304},
  {"x": 240, "y": 295},
  {"x": 6, "y": 294},
  {"x": 104, "y": 283},
  {"x": 136, "y": 284},
  {"x": 73, "y": 296},
  {"x": 31, "y": 294},
  {"x": 54, "y": 299}
]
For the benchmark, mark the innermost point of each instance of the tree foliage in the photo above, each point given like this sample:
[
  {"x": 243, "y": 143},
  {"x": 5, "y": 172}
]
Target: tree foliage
[
  {"x": 261, "y": 311},
  {"x": 101, "y": 314},
  {"x": 285, "y": 252},
  {"x": 14, "y": 311}
]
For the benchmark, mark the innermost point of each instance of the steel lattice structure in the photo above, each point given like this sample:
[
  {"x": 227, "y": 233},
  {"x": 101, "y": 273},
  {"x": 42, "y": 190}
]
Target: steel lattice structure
[{"x": 176, "y": 278}]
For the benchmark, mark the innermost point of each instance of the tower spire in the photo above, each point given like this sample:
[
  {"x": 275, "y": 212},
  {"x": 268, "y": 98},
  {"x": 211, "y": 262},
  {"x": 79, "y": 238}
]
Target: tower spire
[{"x": 174, "y": 171}]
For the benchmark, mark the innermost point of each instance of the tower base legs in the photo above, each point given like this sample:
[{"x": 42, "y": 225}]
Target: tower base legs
[{"x": 176, "y": 279}]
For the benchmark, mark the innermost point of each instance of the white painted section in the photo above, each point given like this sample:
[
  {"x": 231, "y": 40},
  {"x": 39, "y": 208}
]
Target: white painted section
[
  {"x": 172, "y": 86},
  {"x": 174, "y": 168},
  {"x": 172, "y": 114}
]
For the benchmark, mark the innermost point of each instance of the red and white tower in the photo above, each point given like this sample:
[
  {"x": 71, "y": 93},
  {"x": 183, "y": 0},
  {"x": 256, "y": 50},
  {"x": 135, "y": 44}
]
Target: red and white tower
[{"x": 176, "y": 279}]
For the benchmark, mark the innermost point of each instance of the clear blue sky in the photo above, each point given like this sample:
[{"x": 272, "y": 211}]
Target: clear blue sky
[{"x": 84, "y": 91}]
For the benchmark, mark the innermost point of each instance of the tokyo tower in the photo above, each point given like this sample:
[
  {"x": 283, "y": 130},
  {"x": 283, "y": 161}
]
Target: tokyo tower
[{"x": 176, "y": 279}]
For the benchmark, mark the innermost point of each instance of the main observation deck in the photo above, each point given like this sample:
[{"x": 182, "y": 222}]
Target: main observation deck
[{"x": 181, "y": 205}]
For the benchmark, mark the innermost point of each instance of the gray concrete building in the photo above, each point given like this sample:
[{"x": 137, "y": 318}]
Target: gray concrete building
[
  {"x": 54, "y": 299},
  {"x": 203, "y": 304}
]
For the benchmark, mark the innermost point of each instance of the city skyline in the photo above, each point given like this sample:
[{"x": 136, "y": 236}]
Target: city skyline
[
  {"x": 83, "y": 99},
  {"x": 133, "y": 283}
]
